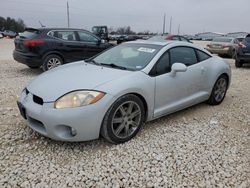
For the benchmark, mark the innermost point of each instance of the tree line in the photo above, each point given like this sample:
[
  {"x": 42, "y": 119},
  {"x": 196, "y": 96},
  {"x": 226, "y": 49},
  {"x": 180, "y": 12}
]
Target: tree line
[
  {"x": 126, "y": 30},
  {"x": 12, "y": 24}
]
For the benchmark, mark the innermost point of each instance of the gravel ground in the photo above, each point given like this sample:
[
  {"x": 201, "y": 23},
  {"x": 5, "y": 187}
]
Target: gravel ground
[{"x": 202, "y": 146}]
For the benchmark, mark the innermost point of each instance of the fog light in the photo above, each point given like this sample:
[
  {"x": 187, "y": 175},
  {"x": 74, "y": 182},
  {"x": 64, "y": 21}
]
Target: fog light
[{"x": 73, "y": 131}]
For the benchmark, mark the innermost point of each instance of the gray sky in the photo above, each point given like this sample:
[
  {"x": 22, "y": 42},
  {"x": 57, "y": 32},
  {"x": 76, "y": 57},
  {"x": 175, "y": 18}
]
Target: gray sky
[{"x": 193, "y": 15}]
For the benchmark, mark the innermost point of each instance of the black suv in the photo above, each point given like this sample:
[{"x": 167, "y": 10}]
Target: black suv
[
  {"x": 50, "y": 47},
  {"x": 243, "y": 52}
]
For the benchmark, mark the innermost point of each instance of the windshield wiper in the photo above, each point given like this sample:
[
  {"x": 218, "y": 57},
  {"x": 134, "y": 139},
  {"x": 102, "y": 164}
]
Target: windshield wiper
[
  {"x": 114, "y": 66},
  {"x": 92, "y": 61}
]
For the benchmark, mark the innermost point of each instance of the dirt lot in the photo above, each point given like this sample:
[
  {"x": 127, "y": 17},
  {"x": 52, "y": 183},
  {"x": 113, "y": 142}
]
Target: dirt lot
[{"x": 202, "y": 146}]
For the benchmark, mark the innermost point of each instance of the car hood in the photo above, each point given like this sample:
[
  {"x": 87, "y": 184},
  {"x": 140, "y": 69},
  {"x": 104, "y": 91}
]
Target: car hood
[{"x": 75, "y": 76}]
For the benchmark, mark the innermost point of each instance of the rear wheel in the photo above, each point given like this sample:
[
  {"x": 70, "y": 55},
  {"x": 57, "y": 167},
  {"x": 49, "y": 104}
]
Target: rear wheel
[
  {"x": 219, "y": 91},
  {"x": 123, "y": 120},
  {"x": 51, "y": 61}
]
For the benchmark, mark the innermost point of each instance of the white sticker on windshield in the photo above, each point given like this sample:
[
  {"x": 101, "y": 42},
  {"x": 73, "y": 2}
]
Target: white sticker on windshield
[{"x": 147, "y": 50}]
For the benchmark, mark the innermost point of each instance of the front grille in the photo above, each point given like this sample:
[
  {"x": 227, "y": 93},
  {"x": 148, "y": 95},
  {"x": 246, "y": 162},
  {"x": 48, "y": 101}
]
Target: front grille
[{"x": 37, "y": 100}]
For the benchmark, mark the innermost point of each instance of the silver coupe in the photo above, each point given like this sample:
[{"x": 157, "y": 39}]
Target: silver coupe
[{"x": 114, "y": 93}]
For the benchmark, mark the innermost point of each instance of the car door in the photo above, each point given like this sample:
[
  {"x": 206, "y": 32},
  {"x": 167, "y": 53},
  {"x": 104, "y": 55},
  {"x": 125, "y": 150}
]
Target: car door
[
  {"x": 91, "y": 44},
  {"x": 173, "y": 93},
  {"x": 67, "y": 44}
]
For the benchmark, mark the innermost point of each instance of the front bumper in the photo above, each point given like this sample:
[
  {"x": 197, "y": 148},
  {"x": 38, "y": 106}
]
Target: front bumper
[{"x": 71, "y": 124}]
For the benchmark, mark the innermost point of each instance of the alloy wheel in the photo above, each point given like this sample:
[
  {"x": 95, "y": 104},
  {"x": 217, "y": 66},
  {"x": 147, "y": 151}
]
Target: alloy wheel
[
  {"x": 126, "y": 119},
  {"x": 53, "y": 62},
  {"x": 220, "y": 89}
]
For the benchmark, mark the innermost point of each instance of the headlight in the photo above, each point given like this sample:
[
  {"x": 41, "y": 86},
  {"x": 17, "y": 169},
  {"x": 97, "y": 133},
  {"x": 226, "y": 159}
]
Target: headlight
[{"x": 78, "y": 98}]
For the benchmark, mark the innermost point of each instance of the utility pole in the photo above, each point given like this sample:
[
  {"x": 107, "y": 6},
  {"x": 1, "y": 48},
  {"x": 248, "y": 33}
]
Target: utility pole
[
  {"x": 68, "y": 13},
  {"x": 170, "y": 27},
  {"x": 164, "y": 22},
  {"x": 179, "y": 29}
]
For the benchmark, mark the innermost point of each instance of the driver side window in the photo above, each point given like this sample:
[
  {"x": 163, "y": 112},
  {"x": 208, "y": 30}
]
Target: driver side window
[
  {"x": 162, "y": 66},
  {"x": 185, "y": 55}
]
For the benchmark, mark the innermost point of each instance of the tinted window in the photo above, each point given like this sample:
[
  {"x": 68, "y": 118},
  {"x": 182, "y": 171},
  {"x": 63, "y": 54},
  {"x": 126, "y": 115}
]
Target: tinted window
[
  {"x": 163, "y": 65},
  {"x": 131, "y": 56},
  {"x": 65, "y": 35},
  {"x": 175, "y": 38},
  {"x": 85, "y": 37},
  {"x": 202, "y": 55},
  {"x": 183, "y": 55}
]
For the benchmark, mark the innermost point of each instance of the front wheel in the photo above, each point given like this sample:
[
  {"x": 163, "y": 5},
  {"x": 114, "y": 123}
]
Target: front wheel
[
  {"x": 123, "y": 120},
  {"x": 219, "y": 91},
  {"x": 51, "y": 61}
]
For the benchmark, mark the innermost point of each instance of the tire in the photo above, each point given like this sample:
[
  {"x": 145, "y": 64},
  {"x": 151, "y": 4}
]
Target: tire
[
  {"x": 233, "y": 54},
  {"x": 51, "y": 61},
  {"x": 219, "y": 91},
  {"x": 126, "y": 110},
  {"x": 238, "y": 63}
]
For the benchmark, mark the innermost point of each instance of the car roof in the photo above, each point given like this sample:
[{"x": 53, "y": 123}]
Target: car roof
[
  {"x": 53, "y": 28},
  {"x": 162, "y": 43}
]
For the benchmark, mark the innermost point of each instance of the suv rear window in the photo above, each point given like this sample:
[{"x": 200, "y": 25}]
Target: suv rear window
[{"x": 29, "y": 34}]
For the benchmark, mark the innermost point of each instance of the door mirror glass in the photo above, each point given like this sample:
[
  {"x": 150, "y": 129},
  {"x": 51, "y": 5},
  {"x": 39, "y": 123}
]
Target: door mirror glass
[{"x": 178, "y": 67}]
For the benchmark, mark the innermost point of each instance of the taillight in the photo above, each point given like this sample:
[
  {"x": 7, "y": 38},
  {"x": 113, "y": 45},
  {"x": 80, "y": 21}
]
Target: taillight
[
  {"x": 241, "y": 45},
  {"x": 33, "y": 43}
]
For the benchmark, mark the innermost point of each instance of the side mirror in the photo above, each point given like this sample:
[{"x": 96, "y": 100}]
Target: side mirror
[{"x": 178, "y": 67}]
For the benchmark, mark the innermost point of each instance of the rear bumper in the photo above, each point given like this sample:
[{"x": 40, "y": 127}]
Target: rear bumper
[{"x": 27, "y": 59}]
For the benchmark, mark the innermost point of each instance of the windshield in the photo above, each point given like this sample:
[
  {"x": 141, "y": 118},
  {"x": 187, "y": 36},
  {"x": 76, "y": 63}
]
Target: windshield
[
  {"x": 222, "y": 39},
  {"x": 130, "y": 56}
]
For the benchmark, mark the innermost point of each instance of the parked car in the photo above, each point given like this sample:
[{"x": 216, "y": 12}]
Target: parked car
[
  {"x": 1, "y": 35},
  {"x": 114, "y": 93},
  {"x": 224, "y": 46},
  {"x": 51, "y": 47},
  {"x": 127, "y": 38},
  {"x": 243, "y": 52},
  {"x": 169, "y": 37},
  {"x": 101, "y": 32},
  {"x": 9, "y": 33}
]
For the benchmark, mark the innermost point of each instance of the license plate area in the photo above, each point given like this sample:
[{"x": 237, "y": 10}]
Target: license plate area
[{"x": 22, "y": 110}]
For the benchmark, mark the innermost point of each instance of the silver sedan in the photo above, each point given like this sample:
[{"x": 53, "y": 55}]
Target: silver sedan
[{"x": 114, "y": 93}]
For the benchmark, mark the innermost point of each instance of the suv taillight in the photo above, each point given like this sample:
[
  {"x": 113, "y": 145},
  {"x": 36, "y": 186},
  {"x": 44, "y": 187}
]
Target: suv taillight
[{"x": 33, "y": 43}]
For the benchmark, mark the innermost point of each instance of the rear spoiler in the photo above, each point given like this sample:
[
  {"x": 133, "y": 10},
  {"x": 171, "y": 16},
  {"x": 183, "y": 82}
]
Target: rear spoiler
[{"x": 30, "y": 29}]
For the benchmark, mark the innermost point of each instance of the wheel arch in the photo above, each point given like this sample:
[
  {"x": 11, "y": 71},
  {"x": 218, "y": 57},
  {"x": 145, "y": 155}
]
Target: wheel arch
[{"x": 56, "y": 53}]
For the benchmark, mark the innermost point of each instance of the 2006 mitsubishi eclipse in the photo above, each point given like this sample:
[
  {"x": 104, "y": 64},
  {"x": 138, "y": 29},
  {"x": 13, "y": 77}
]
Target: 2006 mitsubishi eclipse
[{"x": 114, "y": 93}]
